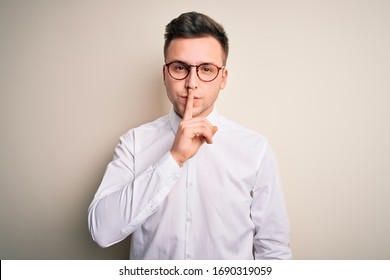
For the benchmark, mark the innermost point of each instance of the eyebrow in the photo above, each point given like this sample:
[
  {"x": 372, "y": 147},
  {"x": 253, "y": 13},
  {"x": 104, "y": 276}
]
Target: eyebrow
[{"x": 180, "y": 61}]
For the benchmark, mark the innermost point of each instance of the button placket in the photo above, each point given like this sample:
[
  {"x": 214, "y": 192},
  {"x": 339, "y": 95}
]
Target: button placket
[{"x": 189, "y": 195}]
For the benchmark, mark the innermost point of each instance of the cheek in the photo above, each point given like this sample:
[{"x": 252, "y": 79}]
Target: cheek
[
  {"x": 174, "y": 86},
  {"x": 169, "y": 93},
  {"x": 171, "y": 90},
  {"x": 210, "y": 99},
  {"x": 214, "y": 92}
]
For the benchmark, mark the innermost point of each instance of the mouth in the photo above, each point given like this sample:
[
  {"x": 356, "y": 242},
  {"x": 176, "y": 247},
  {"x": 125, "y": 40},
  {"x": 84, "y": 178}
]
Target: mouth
[{"x": 184, "y": 99}]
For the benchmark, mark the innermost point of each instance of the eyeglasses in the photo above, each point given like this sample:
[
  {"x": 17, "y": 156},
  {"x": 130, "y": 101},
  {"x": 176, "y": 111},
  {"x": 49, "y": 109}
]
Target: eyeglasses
[{"x": 206, "y": 72}]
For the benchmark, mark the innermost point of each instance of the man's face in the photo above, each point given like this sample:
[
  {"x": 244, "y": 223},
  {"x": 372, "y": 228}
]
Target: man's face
[{"x": 194, "y": 51}]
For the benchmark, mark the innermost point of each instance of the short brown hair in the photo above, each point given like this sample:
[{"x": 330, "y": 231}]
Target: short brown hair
[{"x": 196, "y": 25}]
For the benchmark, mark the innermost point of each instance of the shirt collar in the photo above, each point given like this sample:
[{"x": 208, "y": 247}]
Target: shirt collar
[{"x": 175, "y": 119}]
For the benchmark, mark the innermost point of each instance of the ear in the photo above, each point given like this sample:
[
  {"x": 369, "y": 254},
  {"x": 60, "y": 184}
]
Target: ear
[
  {"x": 164, "y": 74},
  {"x": 224, "y": 78}
]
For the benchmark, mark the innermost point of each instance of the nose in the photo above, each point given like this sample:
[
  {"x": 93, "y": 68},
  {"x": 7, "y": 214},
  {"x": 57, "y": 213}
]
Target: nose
[{"x": 192, "y": 79}]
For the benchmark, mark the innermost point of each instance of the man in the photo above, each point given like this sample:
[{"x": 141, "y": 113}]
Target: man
[{"x": 192, "y": 184}]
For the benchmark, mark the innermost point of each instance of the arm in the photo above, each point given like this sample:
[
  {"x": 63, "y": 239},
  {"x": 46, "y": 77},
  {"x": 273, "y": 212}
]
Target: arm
[
  {"x": 268, "y": 211},
  {"x": 124, "y": 201}
]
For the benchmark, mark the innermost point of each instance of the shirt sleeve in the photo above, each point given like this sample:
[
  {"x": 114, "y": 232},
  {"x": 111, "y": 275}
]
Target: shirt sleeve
[
  {"x": 268, "y": 211},
  {"x": 124, "y": 201}
]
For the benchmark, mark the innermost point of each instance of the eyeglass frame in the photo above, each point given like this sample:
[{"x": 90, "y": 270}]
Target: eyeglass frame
[{"x": 196, "y": 67}]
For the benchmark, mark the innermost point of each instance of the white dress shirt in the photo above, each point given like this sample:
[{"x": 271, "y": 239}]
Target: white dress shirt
[{"x": 224, "y": 203}]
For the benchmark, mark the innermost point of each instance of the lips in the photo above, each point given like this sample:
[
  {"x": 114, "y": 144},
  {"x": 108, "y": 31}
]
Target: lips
[{"x": 184, "y": 98}]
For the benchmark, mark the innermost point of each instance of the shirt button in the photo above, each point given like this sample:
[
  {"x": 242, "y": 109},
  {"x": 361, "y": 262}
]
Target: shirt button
[
  {"x": 189, "y": 184},
  {"x": 188, "y": 256},
  {"x": 188, "y": 219}
]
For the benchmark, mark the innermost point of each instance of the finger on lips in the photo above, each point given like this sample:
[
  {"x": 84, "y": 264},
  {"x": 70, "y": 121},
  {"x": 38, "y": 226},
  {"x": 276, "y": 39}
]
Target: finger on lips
[
  {"x": 200, "y": 127},
  {"x": 189, "y": 106}
]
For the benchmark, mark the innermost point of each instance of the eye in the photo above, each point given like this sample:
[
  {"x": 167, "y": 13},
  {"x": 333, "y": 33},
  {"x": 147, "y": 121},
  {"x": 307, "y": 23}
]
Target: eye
[
  {"x": 178, "y": 67},
  {"x": 207, "y": 68}
]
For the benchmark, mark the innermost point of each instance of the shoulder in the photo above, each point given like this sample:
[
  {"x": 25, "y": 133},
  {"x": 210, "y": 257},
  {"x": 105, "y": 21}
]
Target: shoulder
[
  {"x": 156, "y": 125},
  {"x": 243, "y": 142},
  {"x": 234, "y": 129}
]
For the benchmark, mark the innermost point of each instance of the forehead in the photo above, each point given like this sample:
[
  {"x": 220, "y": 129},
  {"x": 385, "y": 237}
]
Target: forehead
[{"x": 195, "y": 50}]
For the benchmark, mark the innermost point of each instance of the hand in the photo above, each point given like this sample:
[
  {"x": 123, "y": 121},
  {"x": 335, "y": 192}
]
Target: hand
[{"x": 191, "y": 133}]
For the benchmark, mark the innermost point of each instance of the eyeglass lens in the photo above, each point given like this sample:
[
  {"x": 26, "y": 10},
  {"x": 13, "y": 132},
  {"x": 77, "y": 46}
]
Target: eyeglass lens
[{"x": 206, "y": 72}]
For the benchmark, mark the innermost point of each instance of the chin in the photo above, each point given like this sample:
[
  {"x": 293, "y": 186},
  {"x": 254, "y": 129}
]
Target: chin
[{"x": 179, "y": 111}]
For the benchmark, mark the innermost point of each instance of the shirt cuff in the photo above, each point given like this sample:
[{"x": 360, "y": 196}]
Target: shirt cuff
[{"x": 167, "y": 166}]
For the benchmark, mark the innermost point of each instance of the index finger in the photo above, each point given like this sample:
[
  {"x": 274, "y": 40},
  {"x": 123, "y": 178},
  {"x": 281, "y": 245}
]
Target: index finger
[{"x": 189, "y": 105}]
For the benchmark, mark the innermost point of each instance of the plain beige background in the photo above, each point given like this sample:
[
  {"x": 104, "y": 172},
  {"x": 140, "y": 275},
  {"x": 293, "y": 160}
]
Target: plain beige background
[{"x": 312, "y": 76}]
